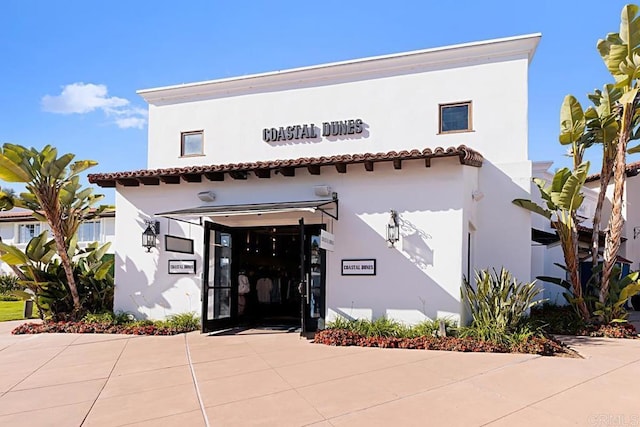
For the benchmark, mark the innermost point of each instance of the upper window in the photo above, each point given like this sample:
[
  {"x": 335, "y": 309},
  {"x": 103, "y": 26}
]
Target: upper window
[
  {"x": 27, "y": 232},
  {"x": 192, "y": 144},
  {"x": 89, "y": 231},
  {"x": 455, "y": 117}
]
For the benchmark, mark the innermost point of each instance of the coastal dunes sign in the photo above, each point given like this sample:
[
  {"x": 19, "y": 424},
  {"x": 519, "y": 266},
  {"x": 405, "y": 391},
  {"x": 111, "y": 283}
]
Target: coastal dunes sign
[{"x": 311, "y": 131}]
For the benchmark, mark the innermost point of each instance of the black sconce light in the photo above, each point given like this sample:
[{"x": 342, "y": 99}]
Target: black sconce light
[
  {"x": 149, "y": 234},
  {"x": 393, "y": 230}
]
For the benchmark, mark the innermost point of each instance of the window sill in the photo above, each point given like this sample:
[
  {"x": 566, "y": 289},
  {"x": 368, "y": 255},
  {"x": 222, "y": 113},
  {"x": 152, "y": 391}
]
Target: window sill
[
  {"x": 191, "y": 155},
  {"x": 456, "y": 131}
]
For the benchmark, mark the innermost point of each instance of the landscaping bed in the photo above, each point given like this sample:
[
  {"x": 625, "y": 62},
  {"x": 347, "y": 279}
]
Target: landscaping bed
[
  {"x": 532, "y": 345},
  {"x": 114, "y": 323},
  {"x": 96, "y": 328},
  {"x": 563, "y": 320}
]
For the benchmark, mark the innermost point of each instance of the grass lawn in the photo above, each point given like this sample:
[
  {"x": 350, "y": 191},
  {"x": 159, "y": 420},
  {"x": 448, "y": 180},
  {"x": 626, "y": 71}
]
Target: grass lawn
[{"x": 11, "y": 310}]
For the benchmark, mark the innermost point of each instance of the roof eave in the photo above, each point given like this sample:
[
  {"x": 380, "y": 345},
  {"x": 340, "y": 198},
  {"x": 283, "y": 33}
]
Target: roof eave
[{"x": 351, "y": 69}]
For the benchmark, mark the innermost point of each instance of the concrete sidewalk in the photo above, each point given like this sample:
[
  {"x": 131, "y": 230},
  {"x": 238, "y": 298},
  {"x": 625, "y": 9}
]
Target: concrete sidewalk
[{"x": 276, "y": 379}]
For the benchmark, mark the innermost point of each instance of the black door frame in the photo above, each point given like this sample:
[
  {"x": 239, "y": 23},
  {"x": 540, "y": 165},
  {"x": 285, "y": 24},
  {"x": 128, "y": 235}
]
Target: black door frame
[{"x": 211, "y": 325}]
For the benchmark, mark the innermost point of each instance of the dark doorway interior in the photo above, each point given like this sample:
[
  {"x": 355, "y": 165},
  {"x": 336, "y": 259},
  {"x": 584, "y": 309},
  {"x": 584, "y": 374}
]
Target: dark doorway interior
[{"x": 267, "y": 265}]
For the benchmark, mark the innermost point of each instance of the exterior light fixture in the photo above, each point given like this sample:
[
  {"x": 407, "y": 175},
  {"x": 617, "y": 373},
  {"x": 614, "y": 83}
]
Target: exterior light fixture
[
  {"x": 393, "y": 230},
  {"x": 149, "y": 234},
  {"x": 207, "y": 196},
  {"x": 322, "y": 190}
]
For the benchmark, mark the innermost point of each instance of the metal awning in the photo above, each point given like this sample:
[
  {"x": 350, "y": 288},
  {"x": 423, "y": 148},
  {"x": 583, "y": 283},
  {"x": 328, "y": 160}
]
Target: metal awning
[{"x": 328, "y": 207}]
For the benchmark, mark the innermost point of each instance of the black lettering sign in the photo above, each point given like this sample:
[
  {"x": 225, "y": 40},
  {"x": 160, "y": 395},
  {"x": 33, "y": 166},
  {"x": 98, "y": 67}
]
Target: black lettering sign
[{"x": 309, "y": 131}]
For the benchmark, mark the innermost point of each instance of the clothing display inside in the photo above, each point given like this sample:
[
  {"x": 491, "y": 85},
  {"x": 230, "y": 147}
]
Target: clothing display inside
[{"x": 269, "y": 275}]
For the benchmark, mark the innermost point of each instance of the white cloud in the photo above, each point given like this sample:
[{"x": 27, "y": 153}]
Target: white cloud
[{"x": 81, "y": 98}]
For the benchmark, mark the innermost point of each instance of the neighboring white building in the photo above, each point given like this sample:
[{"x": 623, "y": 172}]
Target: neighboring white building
[
  {"x": 244, "y": 173},
  {"x": 630, "y": 248},
  {"x": 18, "y": 226},
  {"x": 546, "y": 251}
]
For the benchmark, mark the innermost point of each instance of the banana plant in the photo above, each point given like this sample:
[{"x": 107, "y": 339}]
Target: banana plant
[
  {"x": 561, "y": 200},
  {"x": 621, "y": 55},
  {"x": 612, "y": 310},
  {"x": 31, "y": 264},
  {"x": 602, "y": 122},
  {"x": 53, "y": 194}
]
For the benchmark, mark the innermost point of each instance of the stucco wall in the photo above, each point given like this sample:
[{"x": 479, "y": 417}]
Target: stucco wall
[
  {"x": 398, "y": 101},
  {"x": 399, "y": 112},
  {"x": 421, "y": 277}
]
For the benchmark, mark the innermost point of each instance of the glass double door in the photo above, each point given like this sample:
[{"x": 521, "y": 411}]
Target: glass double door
[
  {"x": 219, "y": 299},
  {"x": 221, "y": 302}
]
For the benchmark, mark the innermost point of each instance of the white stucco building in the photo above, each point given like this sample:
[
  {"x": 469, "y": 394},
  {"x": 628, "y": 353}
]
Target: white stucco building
[
  {"x": 18, "y": 226},
  {"x": 547, "y": 255},
  {"x": 244, "y": 173}
]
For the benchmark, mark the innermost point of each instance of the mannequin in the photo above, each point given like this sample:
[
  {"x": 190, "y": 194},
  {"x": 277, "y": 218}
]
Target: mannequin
[{"x": 243, "y": 289}]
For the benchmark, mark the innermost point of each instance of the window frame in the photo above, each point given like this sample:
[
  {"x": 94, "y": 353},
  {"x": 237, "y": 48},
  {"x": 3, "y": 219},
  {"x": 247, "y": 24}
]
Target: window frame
[
  {"x": 469, "y": 105},
  {"x": 191, "y": 132},
  {"x": 94, "y": 222},
  {"x": 38, "y": 229}
]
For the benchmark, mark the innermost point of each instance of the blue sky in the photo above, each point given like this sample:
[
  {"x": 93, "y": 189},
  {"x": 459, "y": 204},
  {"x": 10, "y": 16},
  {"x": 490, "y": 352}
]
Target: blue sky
[{"x": 70, "y": 69}]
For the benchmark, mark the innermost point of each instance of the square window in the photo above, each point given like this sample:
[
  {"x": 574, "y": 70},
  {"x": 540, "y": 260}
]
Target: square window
[
  {"x": 192, "y": 144},
  {"x": 26, "y": 232},
  {"x": 89, "y": 231},
  {"x": 455, "y": 117}
]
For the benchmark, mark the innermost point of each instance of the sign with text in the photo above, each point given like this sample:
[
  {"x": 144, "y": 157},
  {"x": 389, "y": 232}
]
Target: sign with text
[
  {"x": 182, "y": 266},
  {"x": 311, "y": 131},
  {"x": 327, "y": 241},
  {"x": 358, "y": 267}
]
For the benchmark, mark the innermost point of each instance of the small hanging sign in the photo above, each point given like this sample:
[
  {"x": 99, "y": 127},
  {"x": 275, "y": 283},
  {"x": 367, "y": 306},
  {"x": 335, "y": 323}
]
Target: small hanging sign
[{"x": 327, "y": 241}]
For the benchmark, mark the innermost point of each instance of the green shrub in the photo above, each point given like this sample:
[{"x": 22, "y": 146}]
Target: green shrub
[
  {"x": 9, "y": 298},
  {"x": 384, "y": 327},
  {"x": 432, "y": 328},
  {"x": 9, "y": 283},
  {"x": 557, "y": 319},
  {"x": 498, "y": 305},
  {"x": 146, "y": 322},
  {"x": 339, "y": 323},
  {"x": 106, "y": 317},
  {"x": 184, "y": 321}
]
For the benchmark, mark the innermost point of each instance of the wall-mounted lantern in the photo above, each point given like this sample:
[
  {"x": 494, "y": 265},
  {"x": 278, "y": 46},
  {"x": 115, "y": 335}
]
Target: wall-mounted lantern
[
  {"x": 149, "y": 234},
  {"x": 393, "y": 230}
]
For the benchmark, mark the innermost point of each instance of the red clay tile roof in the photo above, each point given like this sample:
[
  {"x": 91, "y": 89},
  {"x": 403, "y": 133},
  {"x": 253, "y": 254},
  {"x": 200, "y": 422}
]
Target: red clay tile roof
[
  {"x": 466, "y": 155},
  {"x": 632, "y": 169},
  {"x": 17, "y": 214}
]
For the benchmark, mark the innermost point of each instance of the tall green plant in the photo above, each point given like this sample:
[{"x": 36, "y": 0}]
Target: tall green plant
[
  {"x": 621, "y": 54},
  {"x": 562, "y": 199},
  {"x": 53, "y": 194},
  {"x": 602, "y": 128},
  {"x": 46, "y": 279},
  {"x": 498, "y": 303}
]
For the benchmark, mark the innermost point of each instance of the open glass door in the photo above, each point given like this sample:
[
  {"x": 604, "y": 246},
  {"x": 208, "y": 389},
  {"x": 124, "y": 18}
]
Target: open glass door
[{"x": 219, "y": 296}]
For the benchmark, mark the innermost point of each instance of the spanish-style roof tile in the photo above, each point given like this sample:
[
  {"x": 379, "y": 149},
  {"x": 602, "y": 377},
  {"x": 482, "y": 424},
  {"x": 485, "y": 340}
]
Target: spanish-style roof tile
[
  {"x": 632, "y": 169},
  {"x": 467, "y": 156},
  {"x": 19, "y": 214}
]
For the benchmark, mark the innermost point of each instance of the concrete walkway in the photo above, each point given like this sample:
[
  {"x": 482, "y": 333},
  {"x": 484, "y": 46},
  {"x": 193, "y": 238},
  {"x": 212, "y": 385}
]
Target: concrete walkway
[{"x": 277, "y": 379}]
